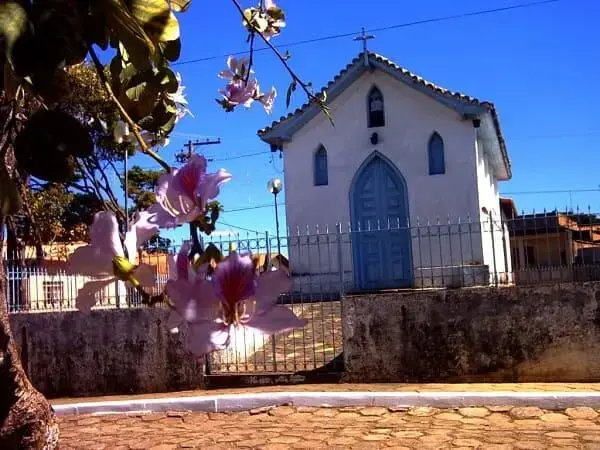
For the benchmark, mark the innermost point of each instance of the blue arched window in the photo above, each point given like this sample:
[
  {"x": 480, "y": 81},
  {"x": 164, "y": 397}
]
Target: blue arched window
[
  {"x": 321, "y": 175},
  {"x": 375, "y": 108},
  {"x": 436, "y": 155}
]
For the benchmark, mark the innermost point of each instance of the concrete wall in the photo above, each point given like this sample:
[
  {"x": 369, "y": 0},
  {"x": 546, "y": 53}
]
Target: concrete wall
[
  {"x": 549, "y": 333},
  {"x": 108, "y": 351}
]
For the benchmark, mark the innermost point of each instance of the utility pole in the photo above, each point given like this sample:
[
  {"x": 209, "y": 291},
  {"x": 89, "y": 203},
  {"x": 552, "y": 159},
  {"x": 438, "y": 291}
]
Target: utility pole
[{"x": 190, "y": 145}]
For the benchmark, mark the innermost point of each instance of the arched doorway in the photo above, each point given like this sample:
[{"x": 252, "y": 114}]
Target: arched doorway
[{"x": 381, "y": 243}]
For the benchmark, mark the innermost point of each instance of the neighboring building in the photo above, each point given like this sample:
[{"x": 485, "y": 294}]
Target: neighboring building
[
  {"x": 554, "y": 246},
  {"x": 403, "y": 152},
  {"x": 34, "y": 287}
]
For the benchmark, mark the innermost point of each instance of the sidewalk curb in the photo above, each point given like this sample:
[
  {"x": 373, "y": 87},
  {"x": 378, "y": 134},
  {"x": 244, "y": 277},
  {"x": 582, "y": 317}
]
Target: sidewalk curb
[{"x": 245, "y": 402}]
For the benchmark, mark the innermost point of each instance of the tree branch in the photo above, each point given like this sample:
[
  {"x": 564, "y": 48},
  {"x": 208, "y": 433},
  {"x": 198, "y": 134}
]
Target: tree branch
[
  {"x": 132, "y": 125},
  {"x": 295, "y": 77}
]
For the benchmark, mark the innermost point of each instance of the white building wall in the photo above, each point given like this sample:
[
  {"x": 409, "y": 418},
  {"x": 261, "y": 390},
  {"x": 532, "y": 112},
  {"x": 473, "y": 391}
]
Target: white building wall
[
  {"x": 495, "y": 239},
  {"x": 411, "y": 117}
]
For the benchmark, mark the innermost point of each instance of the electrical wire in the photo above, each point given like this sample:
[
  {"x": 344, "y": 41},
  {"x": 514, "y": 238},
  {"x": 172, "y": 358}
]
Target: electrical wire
[{"x": 375, "y": 30}]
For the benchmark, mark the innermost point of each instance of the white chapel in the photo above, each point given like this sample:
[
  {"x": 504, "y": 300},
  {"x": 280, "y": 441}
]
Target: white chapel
[{"x": 407, "y": 178}]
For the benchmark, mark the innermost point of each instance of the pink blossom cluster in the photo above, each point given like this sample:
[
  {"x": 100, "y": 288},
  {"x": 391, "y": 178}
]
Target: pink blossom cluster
[{"x": 212, "y": 304}]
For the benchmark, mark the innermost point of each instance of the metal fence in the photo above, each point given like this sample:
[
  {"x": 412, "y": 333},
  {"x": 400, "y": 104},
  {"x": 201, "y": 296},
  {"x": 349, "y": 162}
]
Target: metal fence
[{"x": 328, "y": 262}]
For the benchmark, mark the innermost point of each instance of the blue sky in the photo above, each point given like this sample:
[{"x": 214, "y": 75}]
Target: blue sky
[{"x": 539, "y": 65}]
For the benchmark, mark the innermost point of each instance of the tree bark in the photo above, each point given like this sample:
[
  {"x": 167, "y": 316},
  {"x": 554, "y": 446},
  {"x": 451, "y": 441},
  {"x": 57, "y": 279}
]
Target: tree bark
[{"x": 27, "y": 420}]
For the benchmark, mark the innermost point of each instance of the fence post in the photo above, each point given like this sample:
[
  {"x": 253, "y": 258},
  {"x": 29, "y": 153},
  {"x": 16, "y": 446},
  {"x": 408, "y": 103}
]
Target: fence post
[
  {"x": 268, "y": 264},
  {"x": 340, "y": 261},
  {"x": 493, "y": 249},
  {"x": 505, "y": 250}
]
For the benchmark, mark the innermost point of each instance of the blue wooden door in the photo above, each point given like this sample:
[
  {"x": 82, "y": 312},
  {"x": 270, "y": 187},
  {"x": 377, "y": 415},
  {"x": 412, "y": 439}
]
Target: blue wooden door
[{"x": 381, "y": 241}]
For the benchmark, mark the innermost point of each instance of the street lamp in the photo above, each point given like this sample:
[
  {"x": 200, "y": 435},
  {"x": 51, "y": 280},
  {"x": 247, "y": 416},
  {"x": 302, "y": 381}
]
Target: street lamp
[{"x": 275, "y": 186}]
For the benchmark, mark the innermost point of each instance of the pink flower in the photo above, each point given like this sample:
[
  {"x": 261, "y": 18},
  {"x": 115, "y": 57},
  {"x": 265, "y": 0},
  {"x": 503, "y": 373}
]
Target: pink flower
[
  {"x": 239, "y": 92},
  {"x": 104, "y": 258},
  {"x": 235, "y": 297},
  {"x": 236, "y": 69},
  {"x": 268, "y": 100},
  {"x": 182, "y": 195},
  {"x": 180, "y": 287}
]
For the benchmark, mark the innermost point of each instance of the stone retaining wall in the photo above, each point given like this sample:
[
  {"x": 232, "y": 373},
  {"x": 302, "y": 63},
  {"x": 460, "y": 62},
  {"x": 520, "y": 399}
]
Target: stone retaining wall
[
  {"x": 107, "y": 352},
  {"x": 545, "y": 333}
]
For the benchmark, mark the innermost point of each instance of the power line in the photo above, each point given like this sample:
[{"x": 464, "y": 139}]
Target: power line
[
  {"x": 238, "y": 227},
  {"x": 550, "y": 191},
  {"x": 373, "y": 30},
  {"x": 248, "y": 208}
]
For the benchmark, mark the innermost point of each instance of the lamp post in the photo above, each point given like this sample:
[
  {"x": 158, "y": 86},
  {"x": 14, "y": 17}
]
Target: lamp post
[{"x": 275, "y": 186}]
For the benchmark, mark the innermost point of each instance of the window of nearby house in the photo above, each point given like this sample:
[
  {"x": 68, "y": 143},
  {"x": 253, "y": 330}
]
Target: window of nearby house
[
  {"x": 435, "y": 151},
  {"x": 516, "y": 261},
  {"x": 53, "y": 292},
  {"x": 376, "y": 111},
  {"x": 529, "y": 256},
  {"x": 321, "y": 175}
]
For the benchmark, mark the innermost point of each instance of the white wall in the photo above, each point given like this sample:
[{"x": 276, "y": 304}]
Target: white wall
[
  {"x": 495, "y": 242},
  {"x": 411, "y": 118}
]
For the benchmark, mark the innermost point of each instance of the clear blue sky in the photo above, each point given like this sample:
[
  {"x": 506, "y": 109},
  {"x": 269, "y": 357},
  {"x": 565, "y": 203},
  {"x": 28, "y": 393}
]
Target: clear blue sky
[{"x": 539, "y": 65}]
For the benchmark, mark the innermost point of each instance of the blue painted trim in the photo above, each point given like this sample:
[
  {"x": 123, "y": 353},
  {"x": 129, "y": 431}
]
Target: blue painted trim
[
  {"x": 435, "y": 154},
  {"x": 353, "y": 214},
  {"x": 287, "y": 128}
]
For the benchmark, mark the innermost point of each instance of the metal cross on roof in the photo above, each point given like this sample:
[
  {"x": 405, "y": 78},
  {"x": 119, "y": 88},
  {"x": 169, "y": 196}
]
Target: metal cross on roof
[{"x": 364, "y": 37}]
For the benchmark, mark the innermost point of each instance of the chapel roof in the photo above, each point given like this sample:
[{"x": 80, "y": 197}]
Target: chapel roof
[{"x": 471, "y": 106}]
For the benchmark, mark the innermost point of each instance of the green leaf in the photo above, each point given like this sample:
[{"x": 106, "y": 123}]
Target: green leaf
[
  {"x": 171, "y": 49},
  {"x": 10, "y": 199},
  {"x": 16, "y": 32},
  {"x": 156, "y": 18},
  {"x": 180, "y": 5},
  {"x": 14, "y": 23},
  {"x": 168, "y": 80},
  {"x": 291, "y": 89},
  {"x": 128, "y": 31}
]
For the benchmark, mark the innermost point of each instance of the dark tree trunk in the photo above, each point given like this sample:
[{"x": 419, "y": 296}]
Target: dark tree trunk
[{"x": 27, "y": 420}]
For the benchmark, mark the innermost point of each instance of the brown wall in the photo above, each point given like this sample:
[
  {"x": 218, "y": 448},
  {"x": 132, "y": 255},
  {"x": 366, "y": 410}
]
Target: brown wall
[
  {"x": 546, "y": 333},
  {"x": 109, "y": 351}
]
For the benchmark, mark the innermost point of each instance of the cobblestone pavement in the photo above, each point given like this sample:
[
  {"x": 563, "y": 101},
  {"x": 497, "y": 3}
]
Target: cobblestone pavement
[{"x": 287, "y": 427}]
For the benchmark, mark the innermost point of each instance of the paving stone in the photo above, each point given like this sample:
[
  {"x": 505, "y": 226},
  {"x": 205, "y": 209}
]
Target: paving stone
[
  {"x": 407, "y": 434},
  {"x": 561, "y": 434},
  {"x": 261, "y": 410},
  {"x": 469, "y": 443},
  {"x": 342, "y": 440},
  {"x": 448, "y": 416},
  {"x": 306, "y": 409},
  {"x": 375, "y": 437},
  {"x": 526, "y": 412},
  {"x": 500, "y": 408},
  {"x": 282, "y": 411},
  {"x": 555, "y": 417},
  {"x": 326, "y": 412},
  {"x": 530, "y": 445},
  {"x": 373, "y": 411},
  {"x": 582, "y": 412},
  {"x": 422, "y": 411},
  {"x": 474, "y": 412}
]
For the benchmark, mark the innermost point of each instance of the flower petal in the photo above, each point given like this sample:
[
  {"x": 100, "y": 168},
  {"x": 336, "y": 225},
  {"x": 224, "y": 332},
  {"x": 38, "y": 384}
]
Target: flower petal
[
  {"x": 207, "y": 302},
  {"x": 235, "y": 278},
  {"x": 180, "y": 292},
  {"x": 159, "y": 216},
  {"x": 270, "y": 285},
  {"x": 104, "y": 233},
  {"x": 141, "y": 229},
  {"x": 86, "y": 296},
  {"x": 90, "y": 261},
  {"x": 207, "y": 336},
  {"x": 178, "y": 265},
  {"x": 163, "y": 183},
  {"x": 188, "y": 177},
  {"x": 145, "y": 274},
  {"x": 276, "y": 320},
  {"x": 208, "y": 188}
]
